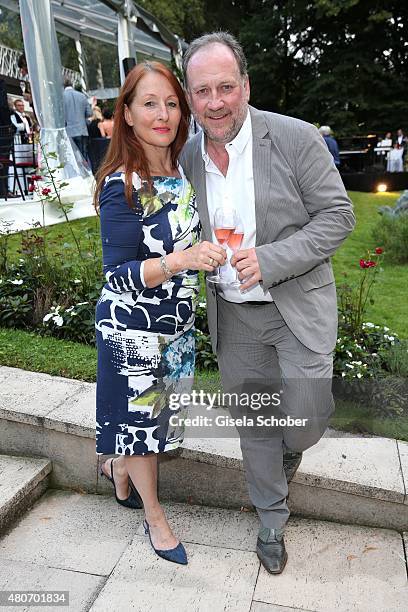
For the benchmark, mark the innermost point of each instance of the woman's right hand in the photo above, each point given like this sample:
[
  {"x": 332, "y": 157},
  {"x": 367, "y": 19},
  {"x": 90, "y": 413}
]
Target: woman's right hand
[{"x": 203, "y": 256}]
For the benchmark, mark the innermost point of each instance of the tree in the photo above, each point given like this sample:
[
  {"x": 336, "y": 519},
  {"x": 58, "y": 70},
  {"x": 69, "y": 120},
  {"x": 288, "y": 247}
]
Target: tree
[
  {"x": 183, "y": 17},
  {"x": 342, "y": 62}
]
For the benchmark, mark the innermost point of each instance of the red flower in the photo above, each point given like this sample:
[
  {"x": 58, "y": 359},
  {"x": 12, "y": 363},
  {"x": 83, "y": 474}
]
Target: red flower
[
  {"x": 46, "y": 191},
  {"x": 31, "y": 187},
  {"x": 379, "y": 250},
  {"x": 36, "y": 177},
  {"x": 367, "y": 263}
]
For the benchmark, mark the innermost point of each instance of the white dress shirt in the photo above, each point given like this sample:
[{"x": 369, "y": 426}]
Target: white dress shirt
[
  {"x": 235, "y": 190},
  {"x": 20, "y": 127}
]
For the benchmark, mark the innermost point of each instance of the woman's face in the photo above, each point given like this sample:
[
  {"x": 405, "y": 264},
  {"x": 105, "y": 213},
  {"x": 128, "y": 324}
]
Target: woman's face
[{"x": 154, "y": 113}]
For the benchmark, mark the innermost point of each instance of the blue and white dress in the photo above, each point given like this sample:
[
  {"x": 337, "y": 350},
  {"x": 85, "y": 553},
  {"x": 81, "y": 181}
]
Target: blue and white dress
[{"x": 145, "y": 337}]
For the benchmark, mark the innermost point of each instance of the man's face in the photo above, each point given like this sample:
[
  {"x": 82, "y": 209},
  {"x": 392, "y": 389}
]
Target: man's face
[
  {"x": 19, "y": 106},
  {"x": 217, "y": 93}
]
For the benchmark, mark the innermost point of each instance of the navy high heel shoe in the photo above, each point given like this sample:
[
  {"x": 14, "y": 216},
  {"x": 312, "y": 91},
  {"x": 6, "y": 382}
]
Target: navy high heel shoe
[
  {"x": 176, "y": 555},
  {"x": 134, "y": 500}
]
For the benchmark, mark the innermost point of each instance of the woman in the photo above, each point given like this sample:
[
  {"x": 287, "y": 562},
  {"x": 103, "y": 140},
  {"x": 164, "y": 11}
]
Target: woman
[
  {"x": 106, "y": 125},
  {"x": 93, "y": 123},
  {"x": 145, "y": 315}
]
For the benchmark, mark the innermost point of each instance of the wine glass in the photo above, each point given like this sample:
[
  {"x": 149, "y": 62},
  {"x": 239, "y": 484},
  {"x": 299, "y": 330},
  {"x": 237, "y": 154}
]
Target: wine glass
[
  {"x": 223, "y": 226},
  {"x": 234, "y": 242}
]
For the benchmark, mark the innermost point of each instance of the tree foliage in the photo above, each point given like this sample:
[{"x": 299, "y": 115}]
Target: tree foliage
[{"x": 341, "y": 62}]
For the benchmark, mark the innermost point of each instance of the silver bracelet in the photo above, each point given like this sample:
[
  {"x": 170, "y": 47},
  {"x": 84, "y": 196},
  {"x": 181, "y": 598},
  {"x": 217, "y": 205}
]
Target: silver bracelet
[{"x": 165, "y": 268}]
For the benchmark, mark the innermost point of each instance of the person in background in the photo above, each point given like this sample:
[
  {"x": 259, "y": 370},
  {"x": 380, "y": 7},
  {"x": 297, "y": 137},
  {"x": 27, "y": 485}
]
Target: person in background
[
  {"x": 395, "y": 159},
  {"x": 25, "y": 85},
  {"x": 5, "y": 120},
  {"x": 106, "y": 125},
  {"x": 77, "y": 111},
  {"x": 331, "y": 143},
  {"x": 96, "y": 118},
  {"x": 21, "y": 122},
  {"x": 402, "y": 141}
]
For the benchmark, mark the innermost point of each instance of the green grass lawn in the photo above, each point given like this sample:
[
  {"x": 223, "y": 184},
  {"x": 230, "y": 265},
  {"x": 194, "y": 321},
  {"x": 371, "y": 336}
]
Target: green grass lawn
[{"x": 390, "y": 292}]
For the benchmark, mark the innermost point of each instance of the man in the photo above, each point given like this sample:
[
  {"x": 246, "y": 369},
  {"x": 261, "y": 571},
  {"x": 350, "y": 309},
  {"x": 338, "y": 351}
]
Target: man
[
  {"x": 77, "y": 110},
  {"x": 21, "y": 122},
  {"x": 281, "y": 323},
  {"x": 402, "y": 141},
  {"x": 331, "y": 143}
]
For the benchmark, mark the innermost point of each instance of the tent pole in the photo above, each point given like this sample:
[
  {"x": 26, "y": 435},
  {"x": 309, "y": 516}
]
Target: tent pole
[{"x": 81, "y": 64}]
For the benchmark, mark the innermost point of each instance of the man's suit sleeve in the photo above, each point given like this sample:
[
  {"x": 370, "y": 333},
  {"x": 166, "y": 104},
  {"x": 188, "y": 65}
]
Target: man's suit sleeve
[{"x": 329, "y": 209}]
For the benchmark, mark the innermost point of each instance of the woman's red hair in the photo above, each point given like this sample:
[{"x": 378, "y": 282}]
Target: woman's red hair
[{"x": 124, "y": 149}]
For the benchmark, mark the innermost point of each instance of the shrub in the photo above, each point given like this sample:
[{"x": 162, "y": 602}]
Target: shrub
[{"x": 392, "y": 232}]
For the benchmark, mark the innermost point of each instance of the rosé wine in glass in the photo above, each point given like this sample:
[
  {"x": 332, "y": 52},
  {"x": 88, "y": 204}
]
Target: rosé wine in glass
[
  {"x": 234, "y": 243},
  {"x": 223, "y": 226},
  {"x": 223, "y": 234},
  {"x": 235, "y": 240}
]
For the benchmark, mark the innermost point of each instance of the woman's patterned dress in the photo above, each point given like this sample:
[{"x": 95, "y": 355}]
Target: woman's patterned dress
[{"x": 145, "y": 337}]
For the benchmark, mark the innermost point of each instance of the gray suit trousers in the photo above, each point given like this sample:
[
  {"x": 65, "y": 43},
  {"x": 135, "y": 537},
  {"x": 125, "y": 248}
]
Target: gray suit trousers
[{"x": 256, "y": 346}]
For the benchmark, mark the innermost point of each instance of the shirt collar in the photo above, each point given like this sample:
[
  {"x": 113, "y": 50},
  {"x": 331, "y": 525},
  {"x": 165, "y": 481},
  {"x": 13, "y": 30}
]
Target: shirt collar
[{"x": 238, "y": 143}]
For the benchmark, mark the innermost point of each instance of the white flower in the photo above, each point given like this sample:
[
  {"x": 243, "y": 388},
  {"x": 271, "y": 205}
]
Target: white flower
[
  {"x": 349, "y": 365},
  {"x": 81, "y": 303},
  {"x": 357, "y": 362},
  {"x": 21, "y": 260},
  {"x": 374, "y": 354},
  {"x": 391, "y": 338},
  {"x": 77, "y": 280},
  {"x": 349, "y": 353},
  {"x": 359, "y": 375},
  {"x": 202, "y": 304},
  {"x": 17, "y": 281},
  {"x": 368, "y": 324},
  {"x": 58, "y": 320},
  {"x": 48, "y": 317},
  {"x": 386, "y": 328},
  {"x": 343, "y": 374}
]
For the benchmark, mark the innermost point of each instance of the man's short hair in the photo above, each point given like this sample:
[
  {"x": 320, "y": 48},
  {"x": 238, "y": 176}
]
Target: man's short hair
[
  {"x": 325, "y": 130},
  {"x": 222, "y": 38},
  {"x": 18, "y": 100},
  {"x": 67, "y": 82}
]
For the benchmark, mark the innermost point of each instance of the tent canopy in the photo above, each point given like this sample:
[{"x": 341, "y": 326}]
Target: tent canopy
[{"x": 98, "y": 19}]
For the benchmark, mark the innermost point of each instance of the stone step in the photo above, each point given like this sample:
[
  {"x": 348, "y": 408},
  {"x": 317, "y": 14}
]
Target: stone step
[
  {"x": 22, "y": 481},
  {"x": 360, "y": 480},
  {"x": 105, "y": 561}
]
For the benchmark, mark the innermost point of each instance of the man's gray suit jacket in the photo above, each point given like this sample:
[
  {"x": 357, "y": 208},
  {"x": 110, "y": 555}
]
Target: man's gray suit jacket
[
  {"x": 303, "y": 214},
  {"x": 76, "y": 110}
]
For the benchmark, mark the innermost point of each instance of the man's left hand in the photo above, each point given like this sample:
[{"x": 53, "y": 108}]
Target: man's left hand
[{"x": 246, "y": 262}]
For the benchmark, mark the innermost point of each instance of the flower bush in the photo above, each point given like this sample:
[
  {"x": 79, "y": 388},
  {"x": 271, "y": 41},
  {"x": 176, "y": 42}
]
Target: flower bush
[
  {"x": 75, "y": 322},
  {"x": 363, "y": 356}
]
